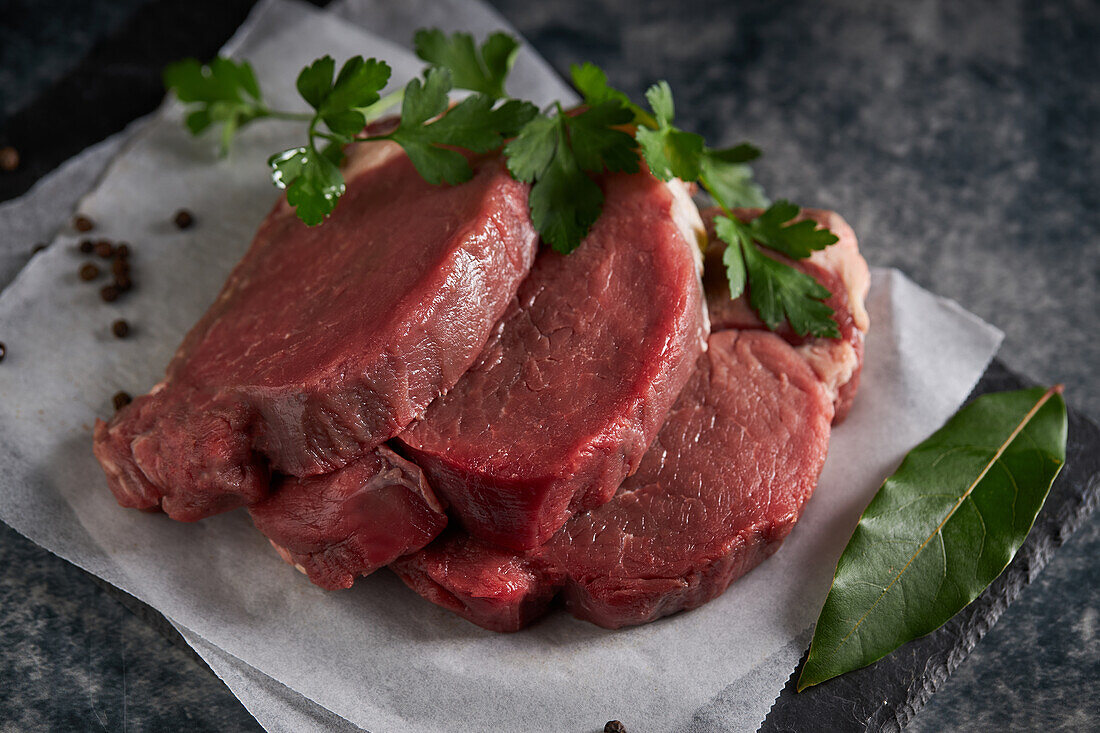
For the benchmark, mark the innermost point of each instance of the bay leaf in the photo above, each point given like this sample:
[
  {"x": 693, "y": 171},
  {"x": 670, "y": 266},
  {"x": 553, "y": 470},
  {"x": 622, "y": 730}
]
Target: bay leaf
[{"x": 940, "y": 529}]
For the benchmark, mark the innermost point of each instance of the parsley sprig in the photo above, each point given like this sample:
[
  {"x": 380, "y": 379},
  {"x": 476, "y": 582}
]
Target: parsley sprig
[{"x": 558, "y": 151}]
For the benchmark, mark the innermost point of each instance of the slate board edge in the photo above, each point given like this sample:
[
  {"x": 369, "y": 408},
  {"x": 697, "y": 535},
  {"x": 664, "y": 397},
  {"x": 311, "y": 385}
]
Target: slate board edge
[{"x": 905, "y": 680}]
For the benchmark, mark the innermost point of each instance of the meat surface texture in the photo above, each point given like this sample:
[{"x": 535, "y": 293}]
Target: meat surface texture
[
  {"x": 721, "y": 487},
  {"x": 326, "y": 341},
  {"x": 840, "y": 269},
  {"x": 575, "y": 383},
  {"x": 340, "y": 525}
]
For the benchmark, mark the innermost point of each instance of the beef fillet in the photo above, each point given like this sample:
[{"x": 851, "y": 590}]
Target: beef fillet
[
  {"x": 340, "y": 525},
  {"x": 326, "y": 341},
  {"x": 579, "y": 375},
  {"x": 719, "y": 490},
  {"x": 839, "y": 268}
]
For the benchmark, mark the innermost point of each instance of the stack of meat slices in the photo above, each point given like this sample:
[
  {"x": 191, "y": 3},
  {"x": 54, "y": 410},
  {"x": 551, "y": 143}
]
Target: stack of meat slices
[{"x": 416, "y": 384}]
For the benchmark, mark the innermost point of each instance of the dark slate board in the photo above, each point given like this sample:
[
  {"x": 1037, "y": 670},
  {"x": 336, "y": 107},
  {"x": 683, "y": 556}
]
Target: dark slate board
[
  {"x": 887, "y": 694},
  {"x": 119, "y": 82}
]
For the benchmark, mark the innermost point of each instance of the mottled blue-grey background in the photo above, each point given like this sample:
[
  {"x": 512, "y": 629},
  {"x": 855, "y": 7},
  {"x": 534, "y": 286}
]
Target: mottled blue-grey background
[{"x": 960, "y": 139}]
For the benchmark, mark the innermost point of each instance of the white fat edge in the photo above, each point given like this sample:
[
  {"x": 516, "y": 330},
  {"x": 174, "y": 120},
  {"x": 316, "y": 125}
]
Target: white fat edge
[
  {"x": 833, "y": 361},
  {"x": 844, "y": 258},
  {"x": 686, "y": 217}
]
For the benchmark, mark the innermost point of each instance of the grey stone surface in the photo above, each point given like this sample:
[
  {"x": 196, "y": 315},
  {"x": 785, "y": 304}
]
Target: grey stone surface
[
  {"x": 73, "y": 659},
  {"x": 37, "y": 48},
  {"x": 961, "y": 141}
]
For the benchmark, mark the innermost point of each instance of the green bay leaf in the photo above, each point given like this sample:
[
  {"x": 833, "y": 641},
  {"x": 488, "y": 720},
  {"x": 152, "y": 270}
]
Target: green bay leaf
[{"x": 940, "y": 529}]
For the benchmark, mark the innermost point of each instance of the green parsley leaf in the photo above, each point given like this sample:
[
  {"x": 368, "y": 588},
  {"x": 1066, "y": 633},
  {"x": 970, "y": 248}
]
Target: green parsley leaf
[
  {"x": 530, "y": 154},
  {"x": 596, "y": 144},
  {"x": 797, "y": 240},
  {"x": 564, "y": 202},
  {"x": 312, "y": 180},
  {"x": 554, "y": 154},
  {"x": 224, "y": 92},
  {"x": 479, "y": 70},
  {"x": 742, "y": 153},
  {"x": 315, "y": 81},
  {"x": 733, "y": 235},
  {"x": 473, "y": 124},
  {"x": 341, "y": 104},
  {"x": 423, "y": 101},
  {"x": 669, "y": 151},
  {"x": 778, "y": 292},
  {"x": 731, "y": 184},
  {"x": 591, "y": 81}
]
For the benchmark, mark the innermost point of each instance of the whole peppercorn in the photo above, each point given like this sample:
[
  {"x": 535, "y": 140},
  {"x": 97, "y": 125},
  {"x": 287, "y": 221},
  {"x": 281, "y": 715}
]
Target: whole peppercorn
[
  {"x": 121, "y": 399},
  {"x": 9, "y": 159},
  {"x": 109, "y": 293},
  {"x": 120, "y": 267},
  {"x": 82, "y": 223},
  {"x": 122, "y": 250},
  {"x": 123, "y": 283},
  {"x": 89, "y": 272},
  {"x": 87, "y": 246},
  {"x": 120, "y": 328},
  {"x": 614, "y": 726},
  {"x": 3, "y": 351},
  {"x": 104, "y": 249},
  {"x": 183, "y": 219}
]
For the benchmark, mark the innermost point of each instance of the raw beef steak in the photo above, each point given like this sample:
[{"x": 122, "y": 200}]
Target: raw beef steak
[
  {"x": 840, "y": 268},
  {"x": 340, "y": 525},
  {"x": 579, "y": 376},
  {"x": 721, "y": 487},
  {"x": 326, "y": 341}
]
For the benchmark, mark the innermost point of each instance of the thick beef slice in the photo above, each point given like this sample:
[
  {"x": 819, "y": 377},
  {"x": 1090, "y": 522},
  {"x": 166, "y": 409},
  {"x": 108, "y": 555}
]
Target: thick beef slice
[
  {"x": 580, "y": 374},
  {"x": 721, "y": 487},
  {"x": 326, "y": 341},
  {"x": 839, "y": 268},
  {"x": 340, "y": 525}
]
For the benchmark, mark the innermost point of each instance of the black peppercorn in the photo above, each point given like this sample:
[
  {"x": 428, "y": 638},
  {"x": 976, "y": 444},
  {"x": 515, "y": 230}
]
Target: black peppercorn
[
  {"x": 9, "y": 159},
  {"x": 110, "y": 293},
  {"x": 89, "y": 272},
  {"x": 120, "y": 328},
  {"x": 83, "y": 224},
  {"x": 121, "y": 399},
  {"x": 122, "y": 251},
  {"x": 614, "y": 726},
  {"x": 184, "y": 219},
  {"x": 87, "y": 246},
  {"x": 104, "y": 249},
  {"x": 120, "y": 267},
  {"x": 123, "y": 283},
  {"x": 3, "y": 351}
]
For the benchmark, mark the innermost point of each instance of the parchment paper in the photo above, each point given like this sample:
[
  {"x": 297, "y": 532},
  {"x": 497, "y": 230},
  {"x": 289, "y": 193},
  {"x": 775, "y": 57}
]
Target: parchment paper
[{"x": 378, "y": 655}]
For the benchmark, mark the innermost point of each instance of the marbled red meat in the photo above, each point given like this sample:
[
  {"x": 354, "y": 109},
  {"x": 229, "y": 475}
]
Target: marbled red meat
[
  {"x": 719, "y": 490},
  {"x": 326, "y": 341},
  {"x": 340, "y": 525},
  {"x": 840, "y": 268},
  {"x": 579, "y": 376}
]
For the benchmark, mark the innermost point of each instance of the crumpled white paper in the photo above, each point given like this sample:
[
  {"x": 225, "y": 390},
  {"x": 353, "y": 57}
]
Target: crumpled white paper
[{"x": 378, "y": 655}]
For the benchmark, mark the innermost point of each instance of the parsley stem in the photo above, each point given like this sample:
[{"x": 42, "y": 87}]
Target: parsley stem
[
  {"x": 374, "y": 111},
  {"x": 289, "y": 116},
  {"x": 710, "y": 189},
  {"x": 645, "y": 118},
  {"x": 330, "y": 137}
]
